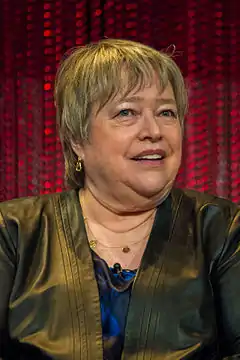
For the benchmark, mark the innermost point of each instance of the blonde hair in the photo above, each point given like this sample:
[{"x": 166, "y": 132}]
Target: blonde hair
[{"x": 91, "y": 75}]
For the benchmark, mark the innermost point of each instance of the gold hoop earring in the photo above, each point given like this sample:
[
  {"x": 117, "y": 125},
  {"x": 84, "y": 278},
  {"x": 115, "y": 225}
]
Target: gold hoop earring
[{"x": 79, "y": 165}]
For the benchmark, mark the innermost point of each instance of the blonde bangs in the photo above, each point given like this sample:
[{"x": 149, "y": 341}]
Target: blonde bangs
[
  {"x": 108, "y": 74},
  {"x": 125, "y": 77}
]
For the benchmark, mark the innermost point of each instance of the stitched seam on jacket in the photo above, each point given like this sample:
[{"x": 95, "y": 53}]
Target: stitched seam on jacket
[
  {"x": 79, "y": 272},
  {"x": 3, "y": 222},
  {"x": 58, "y": 218},
  {"x": 143, "y": 316},
  {"x": 216, "y": 330},
  {"x": 163, "y": 257},
  {"x": 216, "y": 260},
  {"x": 175, "y": 218},
  {"x": 4, "y": 225},
  {"x": 69, "y": 237},
  {"x": 218, "y": 256},
  {"x": 236, "y": 214},
  {"x": 157, "y": 279}
]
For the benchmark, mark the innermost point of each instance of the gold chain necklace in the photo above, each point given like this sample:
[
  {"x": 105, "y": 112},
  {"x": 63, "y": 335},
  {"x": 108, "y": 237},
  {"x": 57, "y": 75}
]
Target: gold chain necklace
[
  {"x": 82, "y": 202},
  {"x": 93, "y": 242}
]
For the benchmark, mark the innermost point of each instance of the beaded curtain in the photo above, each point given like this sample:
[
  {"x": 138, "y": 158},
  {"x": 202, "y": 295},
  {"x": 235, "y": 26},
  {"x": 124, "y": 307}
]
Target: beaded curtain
[{"x": 35, "y": 35}]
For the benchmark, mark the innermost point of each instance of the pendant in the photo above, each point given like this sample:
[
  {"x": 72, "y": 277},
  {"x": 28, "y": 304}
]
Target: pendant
[
  {"x": 126, "y": 249},
  {"x": 92, "y": 244}
]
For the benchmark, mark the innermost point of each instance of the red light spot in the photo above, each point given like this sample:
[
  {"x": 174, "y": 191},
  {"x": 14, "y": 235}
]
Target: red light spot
[
  {"x": 98, "y": 12},
  {"x": 47, "y": 33},
  {"x": 47, "y": 86},
  {"x": 191, "y": 13},
  {"x": 47, "y": 185},
  {"x": 130, "y": 24},
  {"x": 131, "y": 7},
  {"x": 79, "y": 41},
  {"x": 47, "y": 15},
  {"x": 47, "y": 24},
  {"x": 47, "y": 131},
  {"x": 219, "y": 14},
  {"x": 79, "y": 14}
]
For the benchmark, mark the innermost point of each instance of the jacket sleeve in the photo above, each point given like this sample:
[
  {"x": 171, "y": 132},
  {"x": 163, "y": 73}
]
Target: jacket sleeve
[
  {"x": 226, "y": 287},
  {"x": 7, "y": 273}
]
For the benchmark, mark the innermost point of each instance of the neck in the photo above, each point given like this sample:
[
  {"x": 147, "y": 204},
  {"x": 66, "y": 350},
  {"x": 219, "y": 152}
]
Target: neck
[{"x": 97, "y": 211}]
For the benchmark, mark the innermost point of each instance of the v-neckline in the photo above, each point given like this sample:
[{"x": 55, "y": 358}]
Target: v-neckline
[{"x": 147, "y": 274}]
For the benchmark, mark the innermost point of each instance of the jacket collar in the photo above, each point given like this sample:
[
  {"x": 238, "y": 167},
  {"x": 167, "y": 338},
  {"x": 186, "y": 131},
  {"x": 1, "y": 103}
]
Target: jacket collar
[{"x": 170, "y": 225}]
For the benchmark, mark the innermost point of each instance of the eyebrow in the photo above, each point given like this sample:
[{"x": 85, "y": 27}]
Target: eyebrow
[{"x": 139, "y": 99}]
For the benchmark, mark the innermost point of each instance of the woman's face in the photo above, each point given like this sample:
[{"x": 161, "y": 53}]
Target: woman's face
[{"x": 134, "y": 149}]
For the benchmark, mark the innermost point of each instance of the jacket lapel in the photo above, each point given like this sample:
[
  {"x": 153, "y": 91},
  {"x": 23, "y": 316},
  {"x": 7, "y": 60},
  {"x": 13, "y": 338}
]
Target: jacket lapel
[
  {"x": 170, "y": 226},
  {"x": 170, "y": 230},
  {"x": 83, "y": 289}
]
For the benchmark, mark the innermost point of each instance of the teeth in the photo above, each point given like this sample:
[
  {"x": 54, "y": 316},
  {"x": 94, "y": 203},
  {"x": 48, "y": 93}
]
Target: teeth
[{"x": 151, "y": 157}]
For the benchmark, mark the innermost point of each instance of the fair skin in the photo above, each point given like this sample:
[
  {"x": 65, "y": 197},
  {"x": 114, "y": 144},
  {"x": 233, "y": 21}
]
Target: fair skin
[{"x": 121, "y": 190}]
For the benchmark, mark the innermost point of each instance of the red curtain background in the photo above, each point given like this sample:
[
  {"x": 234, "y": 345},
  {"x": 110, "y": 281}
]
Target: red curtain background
[{"x": 35, "y": 34}]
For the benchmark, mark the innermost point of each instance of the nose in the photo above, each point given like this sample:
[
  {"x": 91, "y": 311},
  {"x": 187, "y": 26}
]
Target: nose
[{"x": 150, "y": 128}]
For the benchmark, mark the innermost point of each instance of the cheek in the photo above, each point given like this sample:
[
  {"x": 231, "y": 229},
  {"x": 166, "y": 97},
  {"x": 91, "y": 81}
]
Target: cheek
[
  {"x": 175, "y": 140},
  {"x": 104, "y": 150},
  {"x": 113, "y": 143}
]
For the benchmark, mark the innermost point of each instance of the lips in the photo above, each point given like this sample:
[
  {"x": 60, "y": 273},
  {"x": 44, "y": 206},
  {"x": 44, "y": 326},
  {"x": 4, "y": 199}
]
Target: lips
[{"x": 151, "y": 155}]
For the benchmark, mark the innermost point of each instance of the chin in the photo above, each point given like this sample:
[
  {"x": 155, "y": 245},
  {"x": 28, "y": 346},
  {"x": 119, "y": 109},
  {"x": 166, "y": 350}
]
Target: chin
[{"x": 154, "y": 190}]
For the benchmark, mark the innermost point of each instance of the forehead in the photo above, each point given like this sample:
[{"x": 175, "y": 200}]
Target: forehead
[
  {"x": 147, "y": 85},
  {"x": 132, "y": 84},
  {"x": 152, "y": 91}
]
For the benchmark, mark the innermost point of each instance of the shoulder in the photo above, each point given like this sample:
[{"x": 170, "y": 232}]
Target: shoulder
[
  {"x": 22, "y": 215},
  {"x": 216, "y": 223},
  {"x": 204, "y": 202},
  {"x": 29, "y": 206},
  {"x": 22, "y": 220}
]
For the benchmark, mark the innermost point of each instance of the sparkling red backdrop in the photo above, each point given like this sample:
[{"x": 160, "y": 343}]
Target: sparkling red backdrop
[{"x": 35, "y": 34}]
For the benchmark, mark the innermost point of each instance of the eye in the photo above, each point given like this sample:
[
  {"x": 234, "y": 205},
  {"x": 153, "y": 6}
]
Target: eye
[
  {"x": 168, "y": 113},
  {"x": 126, "y": 112}
]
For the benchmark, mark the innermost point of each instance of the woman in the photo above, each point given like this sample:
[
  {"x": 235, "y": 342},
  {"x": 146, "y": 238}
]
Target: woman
[{"x": 122, "y": 265}]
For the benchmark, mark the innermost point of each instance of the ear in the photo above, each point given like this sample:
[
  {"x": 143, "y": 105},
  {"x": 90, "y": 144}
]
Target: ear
[{"x": 78, "y": 149}]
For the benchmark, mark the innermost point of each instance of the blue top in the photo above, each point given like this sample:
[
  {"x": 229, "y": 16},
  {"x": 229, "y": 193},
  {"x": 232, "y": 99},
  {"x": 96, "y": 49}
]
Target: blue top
[{"x": 114, "y": 286}]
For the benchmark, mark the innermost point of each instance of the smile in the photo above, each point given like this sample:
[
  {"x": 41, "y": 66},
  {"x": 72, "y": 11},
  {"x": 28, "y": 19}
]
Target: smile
[{"x": 149, "y": 157}]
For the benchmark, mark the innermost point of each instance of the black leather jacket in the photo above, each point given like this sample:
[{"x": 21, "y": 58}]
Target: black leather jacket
[{"x": 185, "y": 301}]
